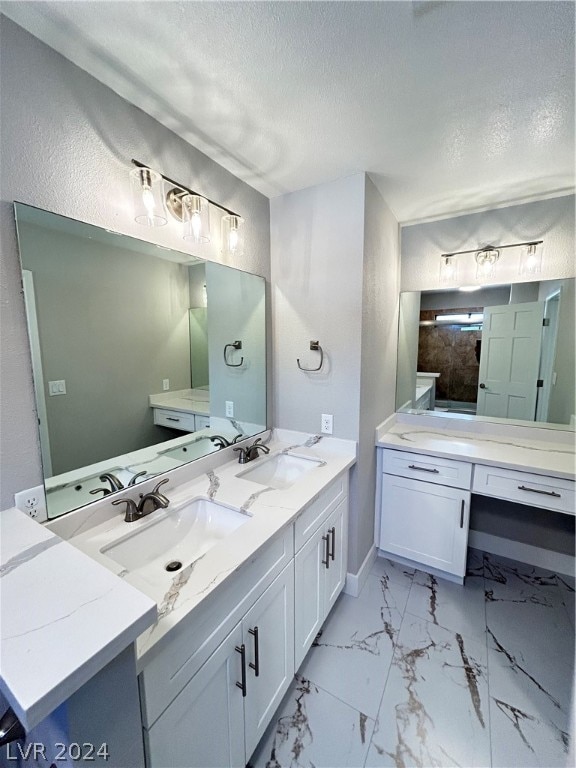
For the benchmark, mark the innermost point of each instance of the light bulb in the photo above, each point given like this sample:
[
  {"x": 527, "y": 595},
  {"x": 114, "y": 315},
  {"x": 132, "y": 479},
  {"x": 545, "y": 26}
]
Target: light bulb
[
  {"x": 233, "y": 240},
  {"x": 148, "y": 200},
  {"x": 196, "y": 225}
]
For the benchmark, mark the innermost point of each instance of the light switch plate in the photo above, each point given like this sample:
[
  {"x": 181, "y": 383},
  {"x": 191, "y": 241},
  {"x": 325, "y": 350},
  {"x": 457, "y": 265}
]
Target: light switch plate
[
  {"x": 57, "y": 387},
  {"x": 165, "y": 384}
]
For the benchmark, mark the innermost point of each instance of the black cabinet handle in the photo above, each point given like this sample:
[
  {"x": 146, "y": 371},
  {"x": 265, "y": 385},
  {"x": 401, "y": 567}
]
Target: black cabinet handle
[
  {"x": 424, "y": 469},
  {"x": 256, "y": 665},
  {"x": 326, "y": 541},
  {"x": 537, "y": 490},
  {"x": 333, "y": 534},
  {"x": 241, "y": 649},
  {"x": 171, "y": 418},
  {"x": 462, "y": 514}
]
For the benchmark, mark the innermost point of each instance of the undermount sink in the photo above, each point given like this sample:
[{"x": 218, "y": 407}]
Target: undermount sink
[
  {"x": 175, "y": 537},
  {"x": 280, "y": 471}
]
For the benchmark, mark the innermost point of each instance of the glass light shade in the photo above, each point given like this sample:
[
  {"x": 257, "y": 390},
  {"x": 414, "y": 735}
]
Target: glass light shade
[
  {"x": 232, "y": 235},
  {"x": 448, "y": 270},
  {"x": 196, "y": 219},
  {"x": 148, "y": 197},
  {"x": 486, "y": 263},
  {"x": 531, "y": 259}
]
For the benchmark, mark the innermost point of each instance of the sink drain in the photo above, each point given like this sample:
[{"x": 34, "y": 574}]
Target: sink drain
[{"x": 173, "y": 565}]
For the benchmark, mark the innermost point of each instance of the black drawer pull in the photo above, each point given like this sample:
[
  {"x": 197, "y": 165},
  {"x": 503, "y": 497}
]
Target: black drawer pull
[
  {"x": 424, "y": 469},
  {"x": 171, "y": 418},
  {"x": 333, "y": 534},
  {"x": 241, "y": 649},
  {"x": 256, "y": 664},
  {"x": 537, "y": 490},
  {"x": 326, "y": 540},
  {"x": 462, "y": 514}
]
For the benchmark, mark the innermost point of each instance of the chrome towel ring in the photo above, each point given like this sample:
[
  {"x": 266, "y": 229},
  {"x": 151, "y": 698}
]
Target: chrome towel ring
[{"x": 315, "y": 347}]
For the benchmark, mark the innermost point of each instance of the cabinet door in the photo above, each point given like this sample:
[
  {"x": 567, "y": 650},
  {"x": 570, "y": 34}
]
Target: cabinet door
[
  {"x": 309, "y": 600},
  {"x": 335, "y": 575},
  {"x": 425, "y": 522},
  {"x": 268, "y": 634},
  {"x": 204, "y": 725}
]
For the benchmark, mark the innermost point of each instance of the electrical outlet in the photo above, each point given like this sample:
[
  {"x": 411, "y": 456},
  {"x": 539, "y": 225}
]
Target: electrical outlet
[
  {"x": 32, "y": 502},
  {"x": 326, "y": 424},
  {"x": 165, "y": 384},
  {"x": 229, "y": 409}
]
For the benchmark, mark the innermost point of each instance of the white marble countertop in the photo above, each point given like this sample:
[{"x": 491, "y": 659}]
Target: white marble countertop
[
  {"x": 195, "y": 401},
  {"x": 542, "y": 451},
  {"x": 64, "y": 617},
  {"x": 269, "y": 511}
]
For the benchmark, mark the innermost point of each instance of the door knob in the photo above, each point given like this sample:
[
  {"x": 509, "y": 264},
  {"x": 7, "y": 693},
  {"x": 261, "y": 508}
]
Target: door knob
[{"x": 482, "y": 386}]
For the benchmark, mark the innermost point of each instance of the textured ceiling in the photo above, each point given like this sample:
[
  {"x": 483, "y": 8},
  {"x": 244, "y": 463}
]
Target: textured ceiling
[{"x": 450, "y": 106}]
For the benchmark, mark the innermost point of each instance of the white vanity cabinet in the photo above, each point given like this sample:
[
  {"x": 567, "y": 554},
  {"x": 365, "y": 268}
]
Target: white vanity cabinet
[
  {"x": 320, "y": 564},
  {"x": 221, "y": 714},
  {"x": 185, "y": 421},
  {"x": 425, "y": 520}
]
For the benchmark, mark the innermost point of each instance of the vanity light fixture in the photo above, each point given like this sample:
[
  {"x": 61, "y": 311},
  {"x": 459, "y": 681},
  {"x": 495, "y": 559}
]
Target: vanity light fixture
[
  {"x": 487, "y": 258},
  {"x": 448, "y": 269},
  {"x": 184, "y": 205},
  {"x": 148, "y": 197},
  {"x": 232, "y": 235},
  {"x": 531, "y": 259}
]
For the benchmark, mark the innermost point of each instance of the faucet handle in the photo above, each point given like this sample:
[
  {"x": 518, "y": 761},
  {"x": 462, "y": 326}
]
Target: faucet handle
[
  {"x": 156, "y": 490},
  {"x": 131, "y": 509},
  {"x": 135, "y": 477}
]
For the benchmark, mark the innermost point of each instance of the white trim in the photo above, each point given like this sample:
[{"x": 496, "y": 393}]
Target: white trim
[
  {"x": 420, "y": 566},
  {"x": 355, "y": 581},
  {"x": 525, "y": 553},
  {"x": 37, "y": 373}
]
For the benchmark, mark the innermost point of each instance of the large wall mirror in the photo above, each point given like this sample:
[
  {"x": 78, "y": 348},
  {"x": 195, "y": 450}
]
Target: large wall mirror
[
  {"x": 500, "y": 352},
  {"x": 143, "y": 358}
]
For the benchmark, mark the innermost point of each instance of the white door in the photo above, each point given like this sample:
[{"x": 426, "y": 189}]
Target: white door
[
  {"x": 510, "y": 360},
  {"x": 204, "y": 725},
  {"x": 425, "y": 522},
  {"x": 268, "y": 635}
]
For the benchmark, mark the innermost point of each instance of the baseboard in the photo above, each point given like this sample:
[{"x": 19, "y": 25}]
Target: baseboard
[
  {"x": 355, "y": 581},
  {"x": 525, "y": 553}
]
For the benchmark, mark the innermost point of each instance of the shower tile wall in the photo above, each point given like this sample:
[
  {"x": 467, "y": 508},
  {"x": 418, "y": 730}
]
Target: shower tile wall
[{"x": 450, "y": 351}]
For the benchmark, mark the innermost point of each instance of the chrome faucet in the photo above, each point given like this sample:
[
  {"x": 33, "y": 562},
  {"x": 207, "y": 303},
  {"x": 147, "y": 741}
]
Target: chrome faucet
[
  {"x": 149, "y": 502},
  {"x": 222, "y": 442},
  {"x": 251, "y": 451}
]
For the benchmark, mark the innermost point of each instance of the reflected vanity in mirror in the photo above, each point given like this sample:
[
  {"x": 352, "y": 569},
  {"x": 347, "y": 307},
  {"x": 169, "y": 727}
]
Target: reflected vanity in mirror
[
  {"x": 127, "y": 341},
  {"x": 500, "y": 352}
]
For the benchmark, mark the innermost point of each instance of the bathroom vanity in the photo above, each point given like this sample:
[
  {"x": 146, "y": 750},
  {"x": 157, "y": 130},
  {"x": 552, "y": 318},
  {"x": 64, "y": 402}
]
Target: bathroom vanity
[
  {"x": 262, "y": 551},
  {"x": 428, "y": 469}
]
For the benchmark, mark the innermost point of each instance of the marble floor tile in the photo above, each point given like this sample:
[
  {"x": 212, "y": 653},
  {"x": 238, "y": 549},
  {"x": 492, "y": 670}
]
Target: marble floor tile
[
  {"x": 475, "y": 564},
  {"x": 529, "y": 707},
  {"x": 452, "y": 606},
  {"x": 435, "y": 709},
  {"x": 314, "y": 729},
  {"x": 400, "y": 574},
  {"x": 352, "y": 656}
]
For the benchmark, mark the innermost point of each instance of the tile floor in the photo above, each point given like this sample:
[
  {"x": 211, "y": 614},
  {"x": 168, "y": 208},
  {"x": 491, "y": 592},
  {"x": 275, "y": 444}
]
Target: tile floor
[{"x": 418, "y": 671}]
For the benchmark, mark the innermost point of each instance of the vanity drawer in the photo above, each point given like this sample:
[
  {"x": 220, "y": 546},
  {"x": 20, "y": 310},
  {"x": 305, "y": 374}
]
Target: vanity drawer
[
  {"x": 175, "y": 419},
  {"x": 525, "y": 487},
  {"x": 190, "y": 643},
  {"x": 314, "y": 515},
  {"x": 202, "y": 422},
  {"x": 432, "y": 469}
]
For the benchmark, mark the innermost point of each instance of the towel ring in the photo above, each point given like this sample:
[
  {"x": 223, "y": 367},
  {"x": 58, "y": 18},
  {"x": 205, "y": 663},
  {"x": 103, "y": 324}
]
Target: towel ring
[
  {"x": 234, "y": 345},
  {"x": 315, "y": 347}
]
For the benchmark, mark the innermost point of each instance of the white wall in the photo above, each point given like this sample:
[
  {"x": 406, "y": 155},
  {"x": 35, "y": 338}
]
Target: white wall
[
  {"x": 549, "y": 220},
  {"x": 67, "y": 142},
  {"x": 334, "y": 251},
  {"x": 378, "y": 364},
  {"x": 316, "y": 247}
]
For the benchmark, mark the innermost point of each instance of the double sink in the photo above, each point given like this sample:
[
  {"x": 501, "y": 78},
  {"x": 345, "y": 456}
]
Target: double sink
[{"x": 170, "y": 540}]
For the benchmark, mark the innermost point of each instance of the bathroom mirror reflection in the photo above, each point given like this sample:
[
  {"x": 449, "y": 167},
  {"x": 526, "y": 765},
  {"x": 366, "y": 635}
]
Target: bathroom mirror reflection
[
  {"x": 500, "y": 352},
  {"x": 128, "y": 353}
]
